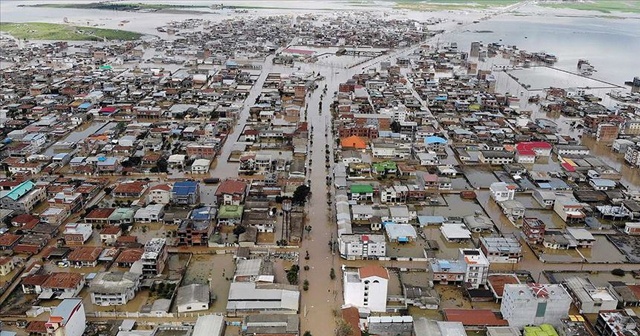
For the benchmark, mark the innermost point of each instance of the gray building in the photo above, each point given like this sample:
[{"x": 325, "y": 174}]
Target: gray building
[{"x": 534, "y": 304}]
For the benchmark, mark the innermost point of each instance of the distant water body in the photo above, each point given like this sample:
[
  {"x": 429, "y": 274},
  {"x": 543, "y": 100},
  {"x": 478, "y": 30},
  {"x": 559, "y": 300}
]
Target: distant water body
[{"x": 612, "y": 45}]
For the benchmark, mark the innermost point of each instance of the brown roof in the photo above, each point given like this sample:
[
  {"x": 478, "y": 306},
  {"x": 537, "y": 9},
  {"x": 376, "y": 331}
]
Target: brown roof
[
  {"x": 38, "y": 327},
  {"x": 163, "y": 186},
  {"x": 352, "y": 317},
  {"x": 127, "y": 239},
  {"x": 110, "y": 230},
  {"x": 231, "y": 187},
  {"x": 5, "y": 260},
  {"x": 85, "y": 254},
  {"x": 63, "y": 280},
  {"x": 8, "y": 239},
  {"x": 24, "y": 218},
  {"x": 373, "y": 270},
  {"x": 101, "y": 213},
  {"x": 497, "y": 282},
  {"x": 474, "y": 317},
  {"x": 130, "y": 187},
  {"x": 130, "y": 255},
  {"x": 35, "y": 280}
]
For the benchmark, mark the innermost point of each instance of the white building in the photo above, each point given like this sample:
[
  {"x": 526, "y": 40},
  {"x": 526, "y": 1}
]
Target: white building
[
  {"x": 114, "y": 288},
  {"x": 588, "y": 298},
  {"x": 194, "y": 297},
  {"x": 200, "y": 166},
  {"x": 569, "y": 209},
  {"x": 150, "y": 213},
  {"x": 477, "y": 267},
  {"x": 367, "y": 288},
  {"x": 354, "y": 247},
  {"x": 67, "y": 319},
  {"x": 534, "y": 304},
  {"x": 501, "y": 191},
  {"x": 159, "y": 194}
]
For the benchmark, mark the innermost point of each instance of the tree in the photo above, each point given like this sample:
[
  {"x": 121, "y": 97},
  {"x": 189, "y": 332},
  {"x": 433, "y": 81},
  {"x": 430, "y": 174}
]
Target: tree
[
  {"x": 305, "y": 285},
  {"x": 343, "y": 328},
  {"x": 618, "y": 272},
  {"x": 300, "y": 195},
  {"x": 162, "y": 165},
  {"x": 332, "y": 273},
  {"x": 238, "y": 230},
  {"x": 307, "y": 333},
  {"x": 108, "y": 190},
  {"x": 395, "y": 126}
]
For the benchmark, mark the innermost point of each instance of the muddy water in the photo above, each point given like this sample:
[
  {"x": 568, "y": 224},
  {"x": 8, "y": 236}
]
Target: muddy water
[{"x": 84, "y": 131}]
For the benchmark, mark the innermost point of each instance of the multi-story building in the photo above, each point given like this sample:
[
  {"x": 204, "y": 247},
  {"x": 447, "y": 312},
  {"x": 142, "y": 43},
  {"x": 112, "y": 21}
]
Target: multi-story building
[
  {"x": 194, "y": 232},
  {"x": 588, "y": 298},
  {"x": 154, "y": 257},
  {"x": 77, "y": 233},
  {"x": 231, "y": 192},
  {"x": 67, "y": 319},
  {"x": 159, "y": 194},
  {"x": 185, "y": 192},
  {"x": 496, "y": 157},
  {"x": 616, "y": 323},
  {"x": 533, "y": 230},
  {"x": 632, "y": 155},
  {"x": 501, "y": 249},
  {"x": 114, "y": 288},
  {"x": 354, "y": 247},
  {"x": 569, "y": 209},
  {"x": 534, "y": 304},
  {"x": 23, "y": 197},
  {"x": 607, "y": 132},
  {"x": 501, "y": 191},
  {"x": 471, "y": 269},
  {"x": 367, "y": 288}
]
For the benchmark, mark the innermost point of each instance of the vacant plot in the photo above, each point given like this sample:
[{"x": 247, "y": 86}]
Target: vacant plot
[
  {"x": 61, "y": 32},
  {"x": 604, "y": 6}
]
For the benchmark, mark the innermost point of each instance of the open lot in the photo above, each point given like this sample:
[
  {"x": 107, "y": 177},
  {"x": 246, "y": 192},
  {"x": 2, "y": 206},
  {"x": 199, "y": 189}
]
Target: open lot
[
  {"x": 628, "y": 245},
  {"x": 603, "y": 251},
  {"x": 217, "y": 270},
  {"x": 52, "y": 31}
]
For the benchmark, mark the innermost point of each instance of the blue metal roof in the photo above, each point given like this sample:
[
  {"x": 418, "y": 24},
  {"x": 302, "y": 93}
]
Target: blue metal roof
[
  {"x": 434, "y": 139},
  {"x": 185, "y": 187},
  {"x": 20, "y": 190}
]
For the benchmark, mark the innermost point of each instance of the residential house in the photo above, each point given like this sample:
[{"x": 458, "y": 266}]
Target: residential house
[
  {"x": 501, "y": 191},
  {"x": 159, "y": 194},
  {"x": 6, "y": 265},
  {"x": 22, "y": 197},
  {"x": 354, "y": 247},
  {"x": 534, "y": 304},
  {"x": 129, "y": 189},
  {"x": 114, "y": 288},
  {"x": 193, "y": 297},
  {"x": 496, "y": 157},
  {"x": 127, "y": 257},
  {"x": 471, "y": 269},
  {"x": 361, "y": 193},
  {"x": 109, "y": 235},
  {"x": 154, "y": 257},
  {"x": 367, "y": 288},
  {"x": 54, "y": 215},
  {"x": 501, "y": 249},
  {"x": 569, "y": 209},
  {"x": 589, "y": 298},
  {"x": 200, "y": 166},
  {"x": 582, "y": 237},
  {"x": 186, "y": 192},
  {"x": 77, "y": 233},
  {"x": 85, "y": 256},
  {"x": 67, "y": 319},
  {"x": 231, "y": 192},
  {"x": 230, "y": 215},
  {"x": 62, "y": 285},
  {"x": 533, "y": 230},
  {"x": 150, "y": 213}
]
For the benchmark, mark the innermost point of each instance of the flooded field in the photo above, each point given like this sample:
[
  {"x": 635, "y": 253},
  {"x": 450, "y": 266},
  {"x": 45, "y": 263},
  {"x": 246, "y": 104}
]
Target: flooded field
[
  {"x": 479, "y": 176},
  {"x": 215, "y": 270},
  {"x": 538, "y": 78},
  {"x": 603, "y": 251}
]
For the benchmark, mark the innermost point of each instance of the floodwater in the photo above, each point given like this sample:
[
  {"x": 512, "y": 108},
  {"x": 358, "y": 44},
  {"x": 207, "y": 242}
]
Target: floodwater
[{"x": 83, "y": 132}]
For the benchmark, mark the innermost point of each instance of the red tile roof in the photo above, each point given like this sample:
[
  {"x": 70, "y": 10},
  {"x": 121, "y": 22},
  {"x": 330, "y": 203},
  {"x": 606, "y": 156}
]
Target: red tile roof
[
  {"x": 163, "y": 186},
  {"x": 35, "y": 280},
  {"x": 497, "y": 282},
  {"x": 37, "y": 327},
  {"x": 88, "y": 253},
  {"x": 110, "y": 230},
  {"x": 352, "y": 317},
  {"x": 102, "y": 213},
  {"x": 63, "y": 280},
  {"x": 474, "y": 317},
  {"x": 231, "y": 187},
  {"x": 373, "y": 270},
  {"x": 130, "y": 255},
  {"x": 8, "y": 239}
]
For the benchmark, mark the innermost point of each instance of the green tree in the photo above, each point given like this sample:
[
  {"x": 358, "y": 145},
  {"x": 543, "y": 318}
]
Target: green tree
[
  {"x": 238, "y": 230},
  {"x": 305, "y": 285},
  {"x": 307, "y": 333},
  {"x": 300, "y": 195},
  {"x": 395, "y": 126},
  {"x": 332, "y": 273}
]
